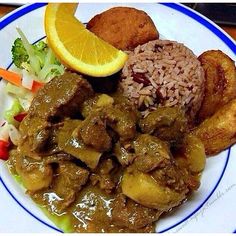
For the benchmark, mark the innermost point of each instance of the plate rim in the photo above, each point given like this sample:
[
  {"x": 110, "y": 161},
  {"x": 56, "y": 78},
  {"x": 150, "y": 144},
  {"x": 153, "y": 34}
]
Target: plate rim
[{"x": 215, "y": 29}]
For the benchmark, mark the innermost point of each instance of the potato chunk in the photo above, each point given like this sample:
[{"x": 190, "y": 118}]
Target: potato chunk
[
  {"x": 192, "y": 154},
  {"x": 143, "y": 189},
  {"x": 150, "y": 152},
  {"x": 34, "y": 175}
]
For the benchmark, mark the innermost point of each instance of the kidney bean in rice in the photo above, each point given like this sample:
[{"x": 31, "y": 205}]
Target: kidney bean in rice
[{"x": 163, "y": 73}]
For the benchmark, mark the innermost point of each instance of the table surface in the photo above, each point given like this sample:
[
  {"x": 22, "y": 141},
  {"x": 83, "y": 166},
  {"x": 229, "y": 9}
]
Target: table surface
[{"x": 231, "y": 30}]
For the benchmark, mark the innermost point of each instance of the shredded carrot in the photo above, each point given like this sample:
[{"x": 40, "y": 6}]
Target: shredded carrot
[
  {"x": 11, "y": 77},
  {"x": 16, "y": 79}
]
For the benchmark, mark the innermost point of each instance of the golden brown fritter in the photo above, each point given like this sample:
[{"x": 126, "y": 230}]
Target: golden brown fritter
[
  {"x": 220, "y": 85},
  {"x": 123, "y": 27}
]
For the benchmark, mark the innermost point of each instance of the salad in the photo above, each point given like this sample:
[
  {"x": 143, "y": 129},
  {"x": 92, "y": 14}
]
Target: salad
[{"x": 37, "y": 65}]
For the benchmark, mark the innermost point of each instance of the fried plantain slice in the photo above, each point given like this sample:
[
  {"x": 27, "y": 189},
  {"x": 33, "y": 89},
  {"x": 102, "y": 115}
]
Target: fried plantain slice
[
  {"x": 219, "y": 131},
  {"x": 220, "y": 83}
]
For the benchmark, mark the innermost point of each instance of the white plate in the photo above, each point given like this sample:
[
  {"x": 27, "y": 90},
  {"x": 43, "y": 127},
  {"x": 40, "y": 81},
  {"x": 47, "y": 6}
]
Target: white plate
[{"x": 213, "y": 206}]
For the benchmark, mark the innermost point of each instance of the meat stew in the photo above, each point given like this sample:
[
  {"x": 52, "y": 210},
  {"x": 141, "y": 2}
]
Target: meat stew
[{"x": 92, "y": 158}]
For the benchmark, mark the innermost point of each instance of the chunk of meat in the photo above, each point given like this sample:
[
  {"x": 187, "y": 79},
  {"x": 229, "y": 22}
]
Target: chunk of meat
[
  {"x": 89, "y": 105},
  {"x": 104, "y": 175},
  {"x": 95, "y": 103},
  {"x": 61, "y": 97},
  {"x": 124, "y": 27},
  {"x": 34, "y": 175},
  {"x": 124, "y": 104},
  {"x": 124, "y": 153},
  {"x": 40, "y": 140},
  {"x": 150, "y": 153},
  {"x": 121, "y": 122},
  {"x": 69, "y": 180},
  {"x": 34, "y": 132},
  {"x": 69, "y": 141},
  {"x": 173, "y": 177},
  {"x": 127, "y": 213},
  {"x": 93, "y": 133},
  {"x": 167, "y": 123},
  {"x": 117, "y": 114}
]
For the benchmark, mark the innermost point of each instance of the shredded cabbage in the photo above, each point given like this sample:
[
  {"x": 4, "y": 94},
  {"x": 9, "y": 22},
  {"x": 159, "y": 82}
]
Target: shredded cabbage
[
  {"x": 23, "y": 95},
  {"x": 19, "y": 92},
  {"x": 38, "y": 60},
  {"x": 15, "y": 109}
]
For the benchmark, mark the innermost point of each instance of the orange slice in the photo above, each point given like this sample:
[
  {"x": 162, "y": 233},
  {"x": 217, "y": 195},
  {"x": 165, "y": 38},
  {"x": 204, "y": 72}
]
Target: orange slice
[{"x": 77, "y": 47}]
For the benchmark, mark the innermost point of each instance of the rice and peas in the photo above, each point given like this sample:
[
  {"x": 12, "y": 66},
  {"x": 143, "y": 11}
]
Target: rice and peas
[{"x": 163, "y": 73}]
